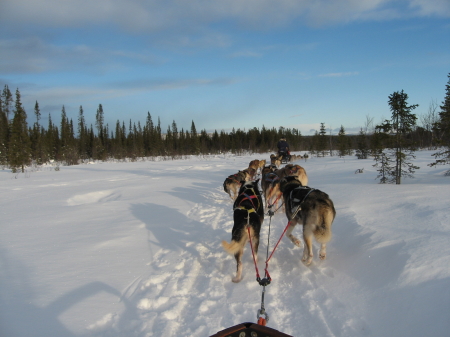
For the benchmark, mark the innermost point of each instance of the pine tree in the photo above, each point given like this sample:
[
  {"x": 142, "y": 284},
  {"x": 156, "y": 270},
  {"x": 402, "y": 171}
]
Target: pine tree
[
  {"x": 443, "y": 126},
  {"x": 401, "y": 124},
  {"x": 19, "y": 144},
  {"x": 82, "y": 135},
  {"x": 385, "y": 168},
  {"x": 52, "y": 140},
  {"x": 362, "y": 150},
  {"x": 195, "y": 142},
  {"x": 4, "y": 135},
  {"x": 342, "y": 142},
  {"x": 36, "y": 139},
  {"x": 7, "y": 99},
  {"x": 321, "y": 140},
  {"x": 100, "y": 139}
]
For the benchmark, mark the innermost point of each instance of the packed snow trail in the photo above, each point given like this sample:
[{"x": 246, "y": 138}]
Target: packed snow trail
[{"x": 133, "y": 249}]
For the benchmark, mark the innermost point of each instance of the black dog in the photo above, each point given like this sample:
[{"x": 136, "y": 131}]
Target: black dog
[{"x": 248, "y": 213}]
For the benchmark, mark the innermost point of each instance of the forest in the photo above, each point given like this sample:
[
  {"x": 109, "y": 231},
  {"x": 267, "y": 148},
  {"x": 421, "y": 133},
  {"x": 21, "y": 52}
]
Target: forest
[{"x": 73, "y": 142}]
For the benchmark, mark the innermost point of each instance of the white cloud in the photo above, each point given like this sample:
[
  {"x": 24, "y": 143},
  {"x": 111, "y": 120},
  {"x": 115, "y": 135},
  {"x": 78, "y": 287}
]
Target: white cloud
[
  {"x": 33, "y": 55},
  {"x": 165, "y": 15}
]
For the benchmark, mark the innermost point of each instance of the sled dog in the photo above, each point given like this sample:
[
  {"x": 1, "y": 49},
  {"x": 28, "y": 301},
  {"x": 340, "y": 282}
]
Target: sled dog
[
  {"x": 233, "y": 183},
  {"x": 257, "y": 165},
  {"x": 254, "y": 164},
  {"x": 248, "y": 212},
  {"x": 293, "y": 170},
  {"x": 275, "y": 160},
  {"x": 251, "y": 173},
  {"x": 266, "y": 170},
  {"x": 311, "y": 208},
  {"x": 269, "y": 184}
]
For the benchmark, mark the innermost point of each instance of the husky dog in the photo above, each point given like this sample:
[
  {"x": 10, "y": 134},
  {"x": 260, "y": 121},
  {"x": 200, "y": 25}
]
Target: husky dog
[
  {"x": 295, "y": 157},
  {"x": 248, "y": 212},
  {"x": 269, "y": 183},
  {"x": 293, "y": 170},
  {"x": 266, "y": 170},
  {"x": 233, "y": 183},
  {"x": 274, "y": 159},
  {"x": 311, "y": 208},
  {"x": 254, "y": 164},
  {"x": 272, "y": 192},
  {"x": 257, "y": 165},
  {"x": 251, "y": 173},
  {"x": 262, "y": 164}
]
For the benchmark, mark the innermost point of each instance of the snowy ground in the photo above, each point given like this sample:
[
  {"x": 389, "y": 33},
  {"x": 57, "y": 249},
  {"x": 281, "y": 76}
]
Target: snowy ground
[{"x": 133, "y": 249}]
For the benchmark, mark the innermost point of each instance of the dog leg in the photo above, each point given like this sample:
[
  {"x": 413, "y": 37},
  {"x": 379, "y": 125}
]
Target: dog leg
[
  {"x": 323, "y": 251},
  {"x": 255, "y": 242},
  {"x": 238, "y": 276},
  {"x": 289, "y": 234},
  {"x": 308, "y": 249},
  {"x": 235, "y": 192}
]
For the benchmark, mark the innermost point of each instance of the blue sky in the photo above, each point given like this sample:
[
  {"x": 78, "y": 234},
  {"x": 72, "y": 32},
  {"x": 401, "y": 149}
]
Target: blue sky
[{"x": 225, "y": 63}]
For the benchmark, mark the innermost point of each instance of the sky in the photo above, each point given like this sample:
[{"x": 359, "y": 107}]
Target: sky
[
  {"x": 114, "y": 249},
  {"x": 225, "y": 64}
]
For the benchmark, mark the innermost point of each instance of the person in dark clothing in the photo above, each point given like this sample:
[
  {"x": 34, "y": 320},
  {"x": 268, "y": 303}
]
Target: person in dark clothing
[
  {"x": 283, "y": 150},
  {"x": 283, "y": 146}
]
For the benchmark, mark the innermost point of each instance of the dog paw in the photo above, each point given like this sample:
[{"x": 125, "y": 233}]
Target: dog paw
[
  {"x": 322, "y": 256},
  {"x": 295, "y": 240},
  {"x": 236, "y": 279},
  {"x": 307, "y": 260}
]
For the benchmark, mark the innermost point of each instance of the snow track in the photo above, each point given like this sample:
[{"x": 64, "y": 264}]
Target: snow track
[{"x": 135, "y": 250}]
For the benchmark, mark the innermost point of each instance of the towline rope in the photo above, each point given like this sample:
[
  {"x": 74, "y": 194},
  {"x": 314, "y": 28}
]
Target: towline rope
[{"x": 262, "y": 315}]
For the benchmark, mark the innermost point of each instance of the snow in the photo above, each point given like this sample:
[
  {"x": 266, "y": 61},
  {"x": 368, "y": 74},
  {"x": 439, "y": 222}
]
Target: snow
[{"x": 133, "y": 249}]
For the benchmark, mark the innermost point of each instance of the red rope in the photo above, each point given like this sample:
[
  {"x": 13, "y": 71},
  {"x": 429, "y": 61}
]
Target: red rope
[
  {"x": 253, "y": 253},
  {"x": 273, "y": 251},
  {"x": 276, "y": 200}
]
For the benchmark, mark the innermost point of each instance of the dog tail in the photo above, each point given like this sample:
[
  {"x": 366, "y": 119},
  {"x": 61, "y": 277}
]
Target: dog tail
[
  {"x": 324, "y": 235},
  {"x": 231, "y": 248},
  {"x": 235, "y": 246}
]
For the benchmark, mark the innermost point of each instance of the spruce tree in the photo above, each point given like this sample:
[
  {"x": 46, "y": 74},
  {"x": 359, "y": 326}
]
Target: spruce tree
[
  {"x": 4, "y": 135},
  {"x": 362, "y": 150},
  {"x": 100, "y": 139},
  {"x": 342, "y": 142},
  {"x": 195, "y": 142},
  {"x": 36, "y": 142},
  {"x": 385, "y": 168},
  {"x": 321, "y": 140},
  {"x": 19, "y": 143},
  {"x": 443, "y": 126},
  {"x": 401, "y": 124},
  {"x": 82, "y": 135},
  {"x": 7, "y": 99}
]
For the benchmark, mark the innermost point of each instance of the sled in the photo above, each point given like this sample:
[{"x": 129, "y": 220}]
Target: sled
[
  {"x": 250, "y": 329},
  {"x": 285, "y": 157}
]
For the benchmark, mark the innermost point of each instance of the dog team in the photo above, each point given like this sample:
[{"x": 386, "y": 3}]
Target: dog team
[{"x": 282, "y": 187}]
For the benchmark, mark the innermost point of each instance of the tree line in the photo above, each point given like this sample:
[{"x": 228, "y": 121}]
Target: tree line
[{"x": 391, "y": 144}]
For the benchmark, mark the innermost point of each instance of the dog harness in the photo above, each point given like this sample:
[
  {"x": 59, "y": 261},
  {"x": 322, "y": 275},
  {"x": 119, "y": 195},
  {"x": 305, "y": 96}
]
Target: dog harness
[
  {"x": 249, "y": 197},
  {"x": 294, "y": 169},
  {"x": 271, "y": 177},
  {"x": 234, "y": 177},
  {"x": 297, "y": 196}
]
